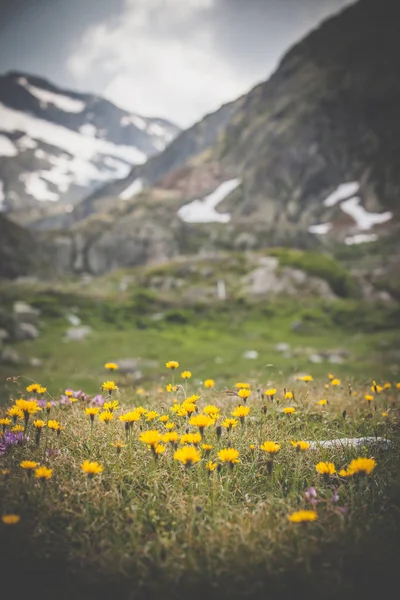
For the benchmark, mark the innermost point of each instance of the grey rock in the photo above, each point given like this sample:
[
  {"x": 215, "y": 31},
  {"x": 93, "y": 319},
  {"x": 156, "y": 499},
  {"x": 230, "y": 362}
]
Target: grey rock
[
  {"x": 26, "y": 331},
  {"x": 73, "y": 320},
  {"x": 4, "y": 336},
  {"x": 250, "y": 354},
  {"x": 316, "y": 358},
  {"x": 35, "y": 362},
  {"x": 129, "y": 366},
  {"x": 299, "y": 327},
  {"x": 24, "y": 313},
  {"x": 352, "y": 443},
  {"x": 336, "y": 359},
  {"x": 77, "y": 334},
  {"x": 282, "y": 347},
  {"x": 9, "y": 356}
]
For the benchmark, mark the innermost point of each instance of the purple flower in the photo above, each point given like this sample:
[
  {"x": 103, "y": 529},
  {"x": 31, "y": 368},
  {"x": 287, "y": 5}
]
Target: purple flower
[
  {"x": 97, "y": 400},
  {"x": 335, "y": 497},
  {"x": 9, "y": 439},
  {"x": 52, "y": 452},
  {"x": 311, "y": 495}
]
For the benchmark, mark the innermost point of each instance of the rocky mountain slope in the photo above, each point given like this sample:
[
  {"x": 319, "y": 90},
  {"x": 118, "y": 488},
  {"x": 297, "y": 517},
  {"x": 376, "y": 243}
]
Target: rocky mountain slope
[
  {"x": 309, "y": 158},
  {"x": 56, "y": 145}
]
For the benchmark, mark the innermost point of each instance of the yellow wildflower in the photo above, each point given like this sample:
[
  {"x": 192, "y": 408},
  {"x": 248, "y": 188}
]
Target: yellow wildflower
[
  {"x": 368, "y": 397},
  {"x": 171, "y": 437},
  {"x": 335, "y": 382},
  {"x": 5, "y": 421},
  {"x": 325, "y": 468},
  {"x": 270, "y": 392},
  {"x": 188, "y": 407},
  {"x": 91, "y": 468},
  {"x": 376, "y": 388},
  {"x": 206, "y": 447},
  {"x": 15, "y": 413},
  {"x": 130, "y": 417},
  {"x": 39, "y": 424},
  {"x": 10, "y": 519},
  {"x": 300, "y": 445},
  {"x": 111, "y": 366},
  {"x": 192, "y": 399},
  {"x": 172, "y": 364},
  {"x": 111, "y": 406},
  {"x": 28, "y": 465},
  {"x": 209, "y": 383},
  {"x": 150, "y": 437},
  {"x": 188, "y": 455},
  {"x": 289, "y": 410},
  {"x": 288, "y": 395},
  {"x": 201, "y": 421},
  {"x": 151, "y": 415},
  {"x": 109, "y": 386},
  {"x": 53, "y": 424},
  {"x": 106, "y": 416},
  {"x": 68, "y": 393},
  {"x": 186, "y": 375},
  {"x": 212, "y": 411},
  {"x": 244, "y": 394},
  {"x": 170, "y": 425},
  {"x": 229, "y": 423},
  {"x": 163, "y": 418},
  {"x": 306, "y": 378},
  {"x": 270, "y": 447},
  {"x": 241, "y": 412},
  {"x": 17, "y": 428},
  {"x": 229, "y": 455},
  {"x": 171, "y": 388},
  {"x": 303, "y": 516},
  {"x": 322, "y": 402},
  {"x": 211, "y": 466},
  {"x": 28, "y": 407},
  {"x": 362, "y": 466},
  {"x": 242, "y": 386},
  {"x": 92, "y": 411},
  {"x": 43, "y": 473},
  {"x": 118, "y": 445},
  {"x": 190, "y": 438}
]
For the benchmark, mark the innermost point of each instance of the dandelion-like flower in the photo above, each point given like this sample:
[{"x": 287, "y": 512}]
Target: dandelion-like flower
[
  {"x": 106, "y": 417},
  {"x": 270, "y": 447},
  {"x": 43, "y": 473},
  {"x": 171, "y": 437},
  {"x": 171, "y": 388},
  {"x": 186, "y": 374},
  {"x": 130, "y": 417},
  {"x": 15, "y": 413},
  {"x": 170, "y": 425},
  {"x": 229, "y": 424},
  {"x": 209, "y": 383},
  {"x": 211, "y": 466},
  {"x": 28, "y": 407},
  {"x": 325, "y": 468},
  {"x": 111, "y": 366},
  {"x": 91, "y": 412},
  {"x": 300, "y": 445},
  {"x": 289, "y": 410},
  {"x": 190, "y": 438},
  {"x": 109, "y": 386},
  {"x": 159, "y": 449},
  {"x": 322, "y": 402},
  {"x": 111, "y": 406},
  {"x": 39, "y": 424},
  {"x": 164, "y": 419},
  {"x": 335, "y": 382},
  {"x": 288, "y": 395},
  {"x": 151, "y": 415},
  {"x": 241, "y": 412},
  {"x": 244, "y": 394},
  {"x": 229, "y": 455},
  {"x": 369, "y": 398},
  {"x": 303, "y": 516},
  {"x": 151, "y": 437},
  {"x": 91, "y": 468},
  {"x": 118, "y": 445},
  {"x": 28, "y": 465},
  {"x": 242, "y": 386},
  {"x": 306, "y": 378},
  {"x": 187, "y": 455},
  {"x": 172, "y": 364},
  {"x": 212, "y": 411},
  {"x": 270, "y": 392},
  {"x": 361, "y": 466},
  {"x": 10, "y": 519},
  {"x": 201, "y": 421},
  {"x": 54, "y": 425}
]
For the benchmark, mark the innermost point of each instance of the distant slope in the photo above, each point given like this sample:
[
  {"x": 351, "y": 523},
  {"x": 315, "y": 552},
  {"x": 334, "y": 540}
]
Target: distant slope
[
  {"x": 310, "y": 157},
  {"x": 58, "y": 145},
  {"x": 19, "y": 251}
]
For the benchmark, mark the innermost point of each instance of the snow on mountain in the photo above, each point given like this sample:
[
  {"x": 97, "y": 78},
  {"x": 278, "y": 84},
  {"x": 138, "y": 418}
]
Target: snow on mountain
[
  {"x": 203, "y": 211},
  {"x": 57, "y": 145}
]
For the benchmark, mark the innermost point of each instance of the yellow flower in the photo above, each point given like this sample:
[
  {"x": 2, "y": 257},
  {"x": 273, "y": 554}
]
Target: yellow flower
[
  {"x": 192, "y": 399},
  {"x": 252, "y": 447},
  {"x": 172, "y": 364},
  {"x": 91, "y": 468},
  {"x": 118, "y": 445},
  {"x": 106, "y": 416},
  {"x": 6, "y": 472},
  {"x": 171, "y": 437},
  {"x": 211, "y": 466},
  {"x": 322, "y": 402},
  {"x": 288, "y": 395},
  {"x": 385, "y": 414},
  {"x": 300, "y": 445},
  {"x": 150, "y": 437},
  {"x": 368, "y": 397},
  {"x": 10, "y": 519},
  {"x": 92, "y": 411},
  {"x": 17, "y": 428},
  {"x": 363, "y": 466},
  {"x": 212, "y": 411},
  {"x": 303, "y": 516},
  {"x": 28, "y": 465},
  {"x": 109, "y": 386},
  {"x": 39, "y": 424},
  {"x": 186, "y": 375},
  {"x": 188, "y": 407},
  {"x": 111, "y": 366},
  {"x": 398, "y": 385},
  {"x": 325, "y": 468},
  {"x": 43, "y": 473},
  {"x": 206, "y": 447},
  {"x": 229, "y": 455},
  {"x": 335, "y": 382},
  {"x": 140, "y": 391},
  {"x": 387, "y": 385},
  {"x": 130, "y": 417},
  {"x": 289, "y": 410},
  {"x": 190, "y": 438},
  {"x": 244, "y": 394},
  {"x": 188, "y": 455},
  {"x": 171, "y": 388},
  {"x": 5, "y": 421},
  {"x": 209, "y": 383},
  {"x": 344, "y": 473},
  {"x": 15, "y": 413},
  {"x": 53, "y": 424},
  {"x": 241, "y": 412},
  {"x": 201, "y": 421},
  {"x": 68, "y": 393},
  {"x": 33, "y": 387},
  {"x": 270, "y": 447},
  {"x": 242, "y": 386},
  {"x": 41, "y": 390},
  {"x": 229, "y": 423},
  {"x": 151, "y": 415},
  {"x": 306, "y": 378},
  {"x": 113, "y": 405},
  {"x": 159, "y": 449},
  {"x": 164, "y": 418},
  {"x": 170, "y": 425},
  {"x": 270, "y": 392},
  {"x": 331, "y": 376},
  {"x": 376, "y": 388},
  {"x": 28, "y": 407}
]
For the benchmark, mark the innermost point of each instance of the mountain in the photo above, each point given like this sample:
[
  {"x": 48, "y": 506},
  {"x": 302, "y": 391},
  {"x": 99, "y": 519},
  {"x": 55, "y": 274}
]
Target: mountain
[
  {"x": 309, "y": 158},
  {"x": 20, "y": 252},
  {"x": 57, "y": 145}
]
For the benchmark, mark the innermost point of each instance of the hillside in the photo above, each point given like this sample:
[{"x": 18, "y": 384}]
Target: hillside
[
  {"x": 57, "y": 145},
  {"x": 308, "y": 158}
]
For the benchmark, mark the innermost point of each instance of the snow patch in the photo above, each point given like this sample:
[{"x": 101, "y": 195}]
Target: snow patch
[
  {"x": 363, "y": 219},
  {"x": 361, "y": 238},
  {"x": 80, "y": 146},
  {"x": 26, "y": 143},
  {"x": 88, "y": 130},
  {"x": 7, "y": 148},
  {"x": 2, "y": 197},
  {"x": 65, "y": 103},
  {"x": 35, "y": 186},
  {"x": 134, "y": 120},
  {"x": 133, "y": 189},
  {"x": 203, "y": 211},
  {"x": 342, "y": 192},
  {"x": 320, "y": 229}
]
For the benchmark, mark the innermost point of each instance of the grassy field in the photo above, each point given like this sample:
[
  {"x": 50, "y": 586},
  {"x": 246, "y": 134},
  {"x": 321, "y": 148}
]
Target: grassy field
[{"x": 149, "y": 526}]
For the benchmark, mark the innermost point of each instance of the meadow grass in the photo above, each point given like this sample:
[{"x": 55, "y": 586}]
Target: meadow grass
[{"x": 147, "y": 526}]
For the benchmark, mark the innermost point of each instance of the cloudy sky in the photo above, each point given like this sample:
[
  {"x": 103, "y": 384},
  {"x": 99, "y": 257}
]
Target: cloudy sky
[{"x": 178, "y": 59}]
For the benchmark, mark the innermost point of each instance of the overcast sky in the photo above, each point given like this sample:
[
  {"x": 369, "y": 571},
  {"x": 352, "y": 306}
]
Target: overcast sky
[{"x": 178, "y": 59}]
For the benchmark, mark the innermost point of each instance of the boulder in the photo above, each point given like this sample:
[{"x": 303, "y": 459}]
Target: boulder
[
  {"x": 9, "y": 356},
  {"x": 24, "y": 313},
  {"x": 77, "y": 334},
  {"x": 26, "y": 331},
  {"x": 250, "y": 354}
]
